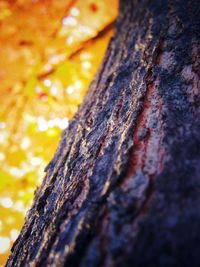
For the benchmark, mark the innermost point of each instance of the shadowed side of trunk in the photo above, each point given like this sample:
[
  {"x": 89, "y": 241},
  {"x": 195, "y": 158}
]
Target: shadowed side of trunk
[{"x": 124, "y": 186}]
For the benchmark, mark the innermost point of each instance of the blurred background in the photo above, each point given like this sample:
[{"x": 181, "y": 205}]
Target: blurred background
[{"x": 50, "y": 51}]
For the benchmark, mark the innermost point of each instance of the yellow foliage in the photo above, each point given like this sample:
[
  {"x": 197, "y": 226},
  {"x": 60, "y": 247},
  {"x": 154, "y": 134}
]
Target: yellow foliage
[{"x": 50, "y": 52}]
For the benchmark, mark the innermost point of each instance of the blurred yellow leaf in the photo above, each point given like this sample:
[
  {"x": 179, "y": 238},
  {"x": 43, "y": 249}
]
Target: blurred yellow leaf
[{"x": 50, "y": 52}]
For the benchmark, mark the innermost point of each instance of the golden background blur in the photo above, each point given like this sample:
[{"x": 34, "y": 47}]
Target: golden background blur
[{"x": 50, "y": 51}]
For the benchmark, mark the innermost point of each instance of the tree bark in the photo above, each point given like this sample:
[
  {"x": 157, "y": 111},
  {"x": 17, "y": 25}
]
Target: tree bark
[{"x": 124, "y": 186}]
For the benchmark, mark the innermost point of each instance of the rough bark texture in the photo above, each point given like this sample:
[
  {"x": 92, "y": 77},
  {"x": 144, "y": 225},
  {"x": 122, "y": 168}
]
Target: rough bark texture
[{"x": 124, "y": 186}]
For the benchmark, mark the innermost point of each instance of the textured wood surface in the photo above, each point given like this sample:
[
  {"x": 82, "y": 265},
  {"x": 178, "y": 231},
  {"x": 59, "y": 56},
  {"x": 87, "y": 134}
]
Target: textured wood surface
[{"x": 124, "y": 186}]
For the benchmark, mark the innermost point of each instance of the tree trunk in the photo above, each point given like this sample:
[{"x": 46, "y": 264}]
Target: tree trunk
[{"x": 124, "y": 186}]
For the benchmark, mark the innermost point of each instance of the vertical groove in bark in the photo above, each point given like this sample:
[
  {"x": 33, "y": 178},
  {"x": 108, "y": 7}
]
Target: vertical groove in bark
[{"x": 123, "y": 187}]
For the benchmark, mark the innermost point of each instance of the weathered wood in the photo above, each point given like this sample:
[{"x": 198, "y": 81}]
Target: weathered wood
[{"x": 124, "y": 186}]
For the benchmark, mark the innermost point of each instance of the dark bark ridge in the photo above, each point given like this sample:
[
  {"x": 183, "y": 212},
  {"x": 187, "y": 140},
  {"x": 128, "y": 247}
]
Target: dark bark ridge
[{"x": 124, "y": 186}]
